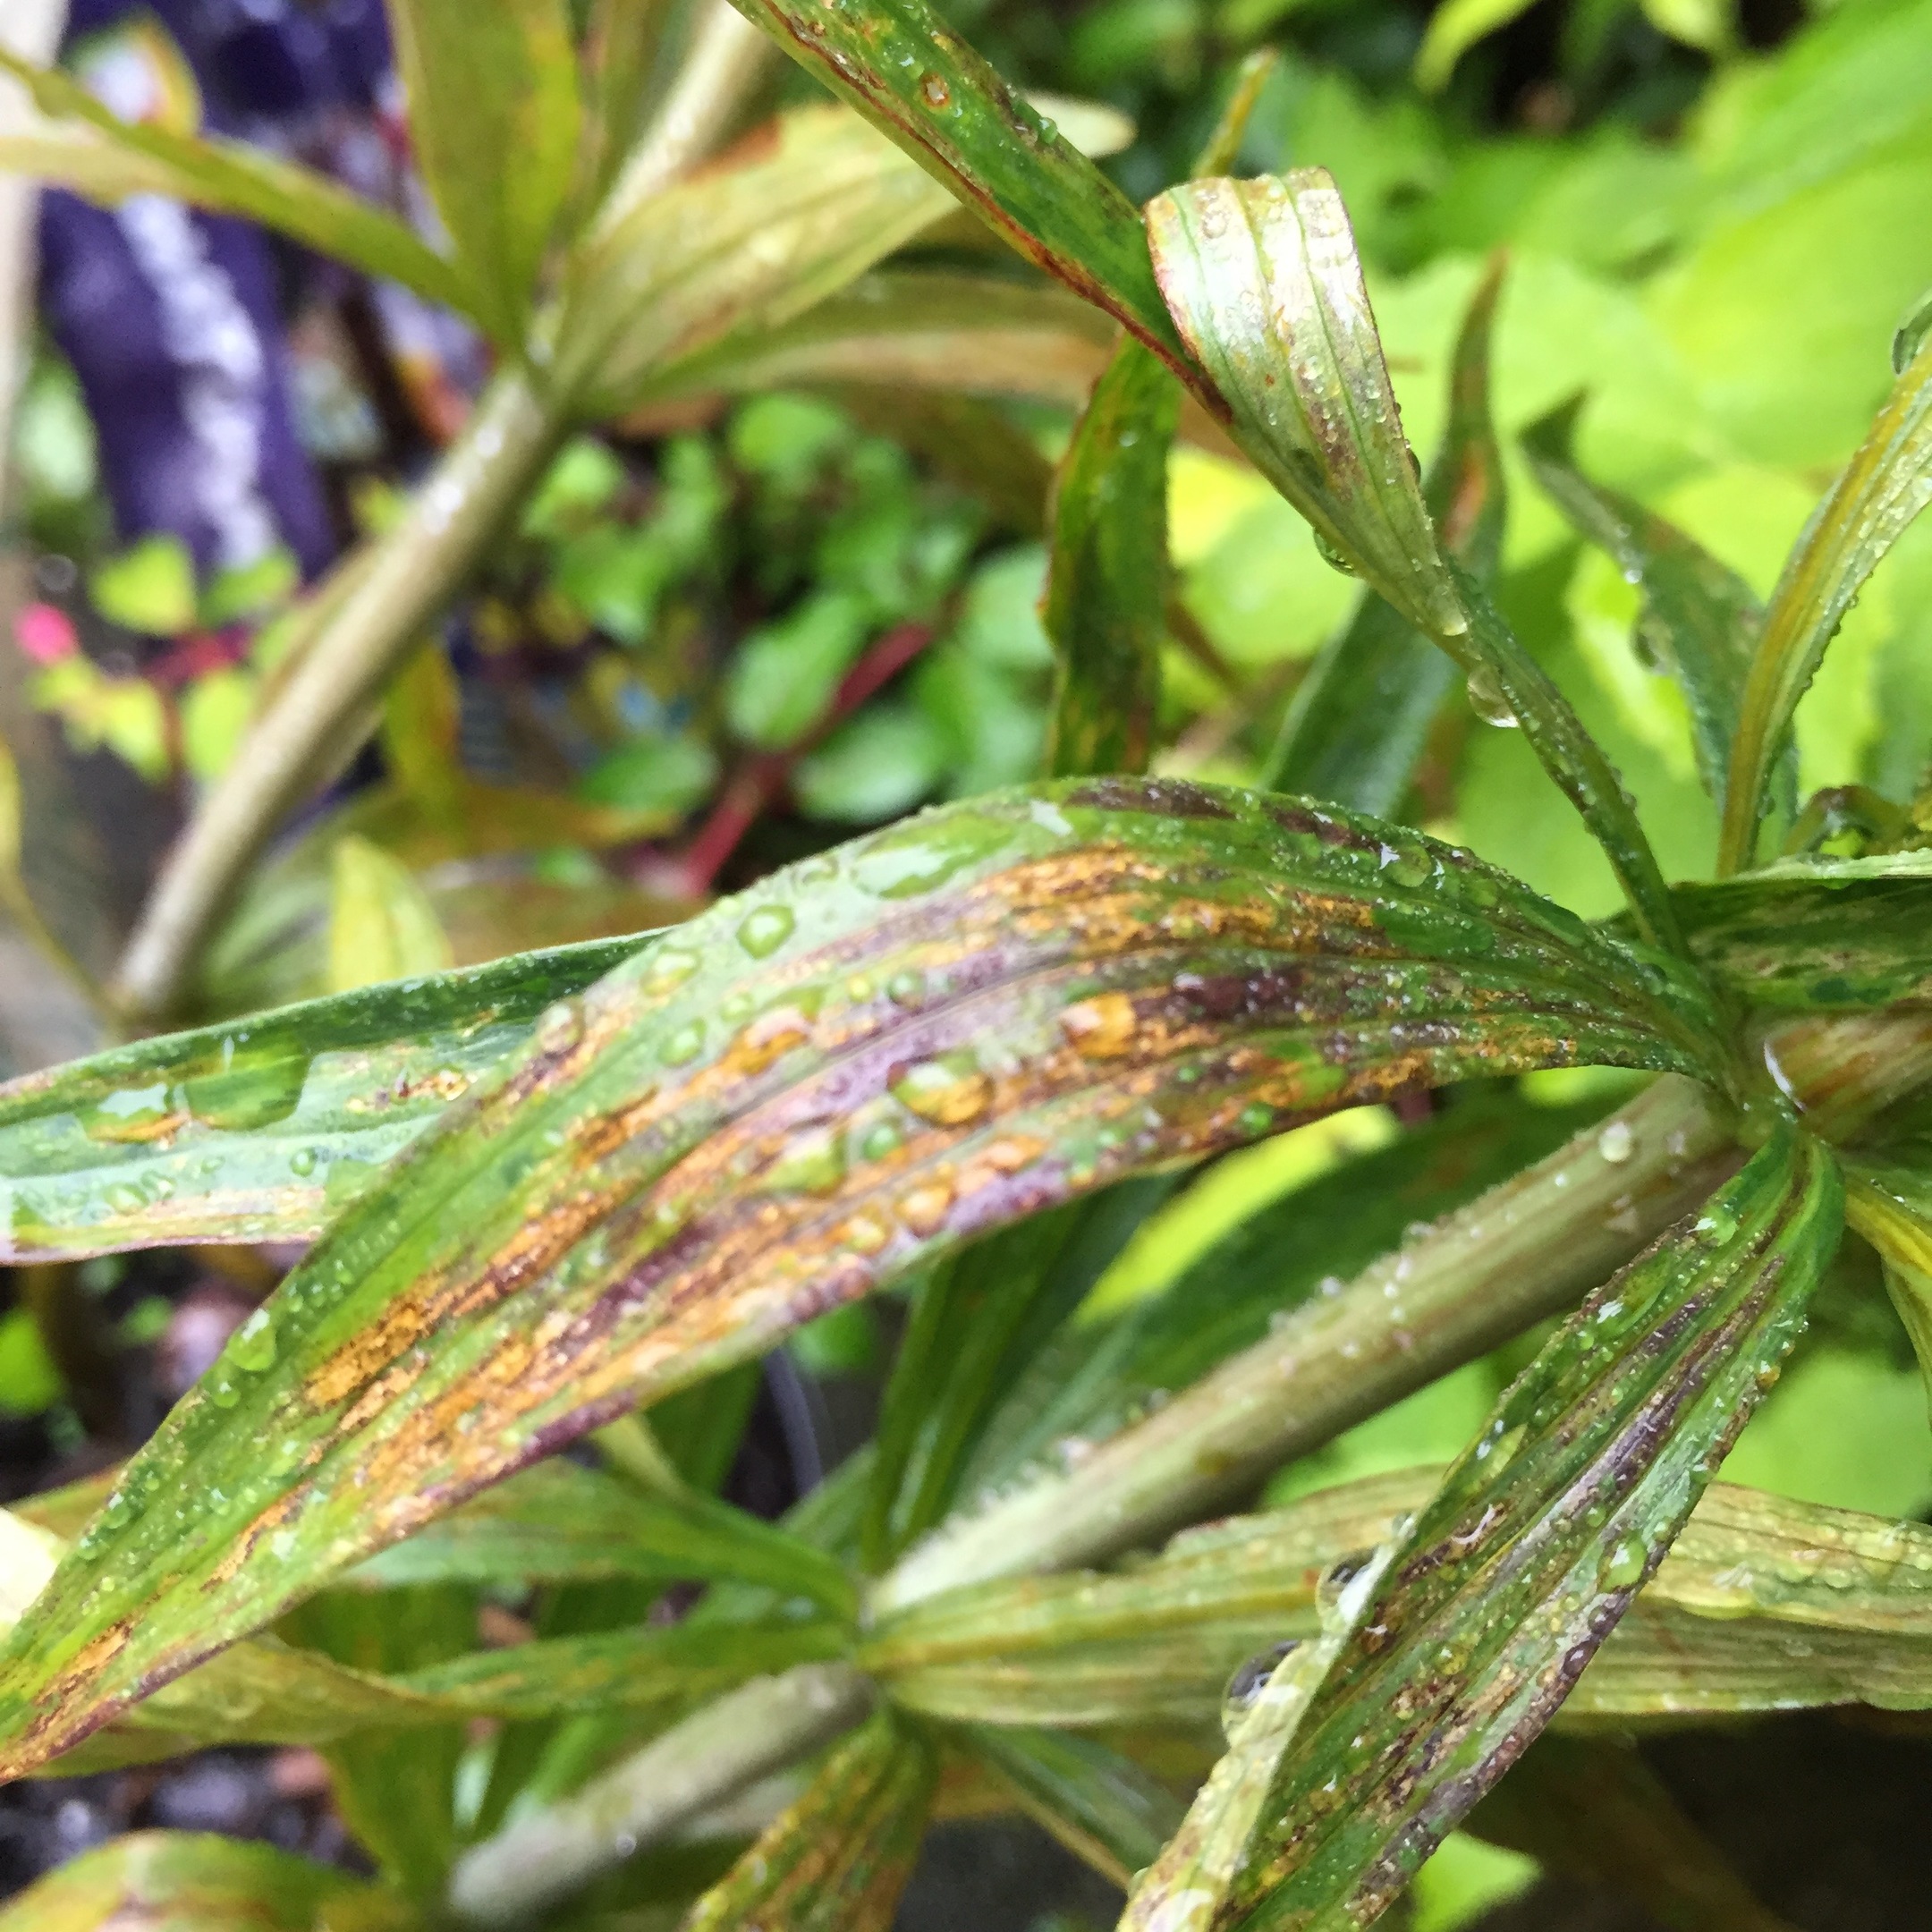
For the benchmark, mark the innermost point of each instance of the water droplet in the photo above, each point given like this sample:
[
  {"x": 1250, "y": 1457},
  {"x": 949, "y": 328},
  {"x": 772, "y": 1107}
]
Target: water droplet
[
  {"x": 881, "y": 1138},
  {"x": 763, "y": 931},
  {"x": 948, "y": 1091},
  {"x": 812, "y": 1162},
  {"x": 906, "y": 988},
  {"x": 301, "y": 1162},
  {"x": 684, "y": 1045},
  {"x": 252, "y": 1346},
  {"x": 560, "y": 1027},
  {"x": 866, "y": 1233},
  {"x": 737, "y": 1007},
  {"x": 1408, "y": 865},
  {"x": 1617, "y": 1143},
  {"x": 670, "y": 968},
  {"x": 934, "y": 91},
  {"x": 1623, "y": 1564},
  {"x": 924, "y": 1208},
  {"x": 223, "y": 1394},
  {"x": 131, "y": 1113},
  {"x": 1101, "y": 1028},
  {"x": 1245, "y": 1687},
  {"x": 1716, "y": 1224},
  {"x": 1486, "y": 699},
  {"x": 1255, "y": 1118},
  {"x": 1332, "y": 556}
]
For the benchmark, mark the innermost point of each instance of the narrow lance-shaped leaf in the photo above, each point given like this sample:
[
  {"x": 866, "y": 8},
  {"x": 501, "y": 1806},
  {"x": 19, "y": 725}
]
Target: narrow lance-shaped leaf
[
  {"x": 838, "y": 1859},
  {"x": 1538, "y": 1542},
  {"x": 89, "y": 150},
  {"x": 1362, "y": 715},
  {"x": 905, "y": 70},
  {"x": 1700, "y": 619},
  {"x": 1108, "y": 579},
  {"x": 261, "y": 1129},
  {"x": 1885, "y": 484},
  {"x": 855, "y": 1067},
  {"x": 1101, "y": 1806},
  {"x": 1264, "y": 280},
  {"x": 494, "y": 118},
  {"x": 1891, "y": 1205}
]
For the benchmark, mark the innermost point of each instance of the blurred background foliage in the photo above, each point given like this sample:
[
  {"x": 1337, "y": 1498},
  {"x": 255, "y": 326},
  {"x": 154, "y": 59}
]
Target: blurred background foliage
[{"x": 731, "y": 633}]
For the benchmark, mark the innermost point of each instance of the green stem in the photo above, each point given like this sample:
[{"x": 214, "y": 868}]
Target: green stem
[
  {"x": 404, "y": 582},
  {"x": 759, "y": 1728}
]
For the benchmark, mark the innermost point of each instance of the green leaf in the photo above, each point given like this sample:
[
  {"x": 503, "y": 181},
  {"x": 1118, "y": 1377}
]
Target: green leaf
[
  {"x": 149, "y": 587},
  {"x": 1454, "y": 28},
  {"x": 902, "y": 67},
  {"x": 260, "y": 1129},
  {"x": 381, "y": 924},
  {"x": 1362, "y": 715},
  {"x": 821, "y": 1084},
  {"x": 559, "y": 1523},
  {"x": 717, "y": 261},
  {"x": 1700, "y": 620},
  {"x": 1101, "y": 1806},
  {"x": 91, "y": 152},
  {"x": 1891, "y": 1205},
  {"x": 196, "y": 1882},
  {"x": 1107, "y": 582},
  {"x": 1883, "y": 488},
  {"x": 838, "y": 1859},
  {"x": 494, "y": 120},
  {"x": 1538, "y": 1541}
]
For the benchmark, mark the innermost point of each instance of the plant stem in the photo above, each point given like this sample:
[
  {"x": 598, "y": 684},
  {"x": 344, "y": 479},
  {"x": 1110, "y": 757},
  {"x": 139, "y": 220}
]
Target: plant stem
[
  {"x": 404, "y": 582},
  {"x": 759, "y": 1728},
  {"x": 1520, "y": 1252}
]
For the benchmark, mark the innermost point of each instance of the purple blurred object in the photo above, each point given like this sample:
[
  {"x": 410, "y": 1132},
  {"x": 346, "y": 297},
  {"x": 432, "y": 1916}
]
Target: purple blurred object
[{"x": 169, "y": 315}]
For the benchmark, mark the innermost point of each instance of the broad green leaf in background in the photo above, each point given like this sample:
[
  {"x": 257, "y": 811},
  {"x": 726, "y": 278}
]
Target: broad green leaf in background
[
  {"x": 1886, "y": 484},
  {"x": 198, "y": 1882},
  {"x": 381, "y": 923},
  {"x": 1360, "y": 718},
  {"x": 1263, "y": 280},
  {"x": 494, "y": 118},
  {"x": 1538, "y": 1540},
  {"x": 622, "y": 40},
  {"x": 89, "y": 150},
  {"x": 838, "y": 1859},
  {"x": 852, "y": 1068},
  {"x": 1700, "y": 621},
  {"x": 1101, "y": 1806},
  {"x": 902, "y": 67},
  {"x": 261, "y": 1129}
]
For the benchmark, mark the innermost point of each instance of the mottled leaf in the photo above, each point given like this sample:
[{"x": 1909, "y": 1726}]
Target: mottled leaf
[
  {"x": 1891, "y": 1205},
  {"x": 158, "y": 1881},
  {"x": 86, "y": 148},
  {"x": 262, "y": 1129},
  {"x": 852, "y": 1069},
  {"x": 1885, "y": 484},
  {"x": 717, "y": 261},
  {"x": 493, "y": 119},
  {"x": 1101, "y": 1806},
  {"x": 1700, "y": 620},
  {"x": 1817, "y": 935},
  {"x": 1360, "y": 718},
  {"x": 902, "y": 65},
  {"x": 838, "y": 1859},
  {"x": 1538, "y": 1541}
]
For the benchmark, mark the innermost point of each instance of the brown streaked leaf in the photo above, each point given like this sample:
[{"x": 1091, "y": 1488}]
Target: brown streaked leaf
[
  {"x": 838, "y": 1859},
  {"x": 1541, "y": 1536},
  {"x": 1891, "y": 1205},
  {"x": 84, "y": 148},
  {"x": 1884, "y": 488},
  {"x": 903, "y": 68},
  {"x": 158, "y": 1881},
  {"x": 859, "y": 1064}
]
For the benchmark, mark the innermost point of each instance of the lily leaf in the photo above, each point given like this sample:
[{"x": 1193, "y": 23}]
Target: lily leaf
[
  {"x": 198, "y": 1882},
  {"x": 1700, "y": 621},
  {"x": 262, "y": 1129},
  {"x": 495, "y": 119},
  {"x": 1891, "y": 1205},
  {"x": 1361, "y": 715},
  {"x": 1101, "y": 1806},
  {"x": 838, "y": 1859},
  {"x": 820, "y": 1085},
  {"x": 717, "y": 261},
  {"x": 901, "y": 66},
  {"x": 88, "y": 149},
  {"x": 1885, "y": 484},
  {"x": 1538, "y": 1542}
]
